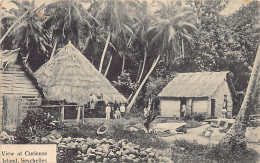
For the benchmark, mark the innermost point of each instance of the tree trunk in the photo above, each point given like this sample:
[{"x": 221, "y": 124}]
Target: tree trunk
[
  {"x": 123, "y": 64},
  {"x": 142, "y": 84},
  {"x": 104, "y": 53},
  {"x": 78, "y": 114},
  {"x": 54, "y": 49},
  {"x": 139, "y": 70},
  {"x": 237, "y": 130},
  {"x": 182, "y": 48},
  {"x": 11, "y": 28},
  {"x": 83, "y": 115},
  {"x": 108, "y": 65},
  {"x": 129, "y": 98},
  {"x": 142, "y": 71},
  {"x": 62, "y": 114}
]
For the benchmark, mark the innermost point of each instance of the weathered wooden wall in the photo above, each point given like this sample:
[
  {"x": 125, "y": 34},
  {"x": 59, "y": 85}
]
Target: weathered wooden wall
[{"x": 14, "y": 82}]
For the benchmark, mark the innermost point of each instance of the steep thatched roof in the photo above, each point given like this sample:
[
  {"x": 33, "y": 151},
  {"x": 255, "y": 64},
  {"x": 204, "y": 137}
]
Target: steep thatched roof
[
  {"x": 70, "y": 76},
  {"x": 199, "y": 84}
]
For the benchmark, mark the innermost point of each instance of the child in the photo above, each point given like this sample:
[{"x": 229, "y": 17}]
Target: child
[{"x": 118, "y": 114}]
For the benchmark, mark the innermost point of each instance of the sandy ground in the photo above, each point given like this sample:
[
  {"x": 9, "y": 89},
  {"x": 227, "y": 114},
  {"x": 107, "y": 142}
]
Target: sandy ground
[{"x": 193, "y": 134}]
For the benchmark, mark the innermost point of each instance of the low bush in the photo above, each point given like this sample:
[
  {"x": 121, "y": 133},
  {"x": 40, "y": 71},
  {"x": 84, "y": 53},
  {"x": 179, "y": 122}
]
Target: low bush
[
  {"x": 35, "y": 124},
  {"x": 198, "y": 117},
  {"x": 187, "y": 151}
]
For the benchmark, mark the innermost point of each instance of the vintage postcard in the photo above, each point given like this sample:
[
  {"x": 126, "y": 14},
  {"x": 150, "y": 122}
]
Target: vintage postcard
[{"x": 129, "y": 81}]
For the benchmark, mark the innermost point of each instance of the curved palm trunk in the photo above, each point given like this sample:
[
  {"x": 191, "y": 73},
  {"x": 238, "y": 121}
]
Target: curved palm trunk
[
  {"x": 142, "y": 84},
  {"x": 123, "y": 64},
  {"x": 142, "y": 71},
  {"x": 237, "y": 131},
  {"x": 11, "y": 28},
  {"x": 108, "y": 65},
  {"x": 104, "y": 53},
  {"x": 54, "y": 49}
]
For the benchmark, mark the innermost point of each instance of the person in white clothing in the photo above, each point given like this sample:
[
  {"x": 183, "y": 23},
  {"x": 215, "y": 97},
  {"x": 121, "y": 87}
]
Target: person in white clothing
[
  {"x": 122, "y": 110},
  {"x": 108, "y": 111}
]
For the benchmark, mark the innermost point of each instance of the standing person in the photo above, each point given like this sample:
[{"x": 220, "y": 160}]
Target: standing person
[
  {"x": 146, "y": 112},
  {"x": 108, "y": 111},
  {"x": 183, "y": 110},
  {"x": 224, "y": 112},
  {"x": 122, "y": 110},
  {"x": 224, "y": 107}
]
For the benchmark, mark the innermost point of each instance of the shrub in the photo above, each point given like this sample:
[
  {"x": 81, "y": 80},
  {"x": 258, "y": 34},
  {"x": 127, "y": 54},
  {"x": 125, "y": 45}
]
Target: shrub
[
  {"x": 198, "y": 117},
  {"x": 187, "y": 151},
  {"x": 187, "y": 117},
  {"x": 35, "y": 124}
]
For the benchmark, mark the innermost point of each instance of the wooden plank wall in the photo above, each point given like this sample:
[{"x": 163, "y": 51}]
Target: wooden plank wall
[
  {"x": 28, "y": 103},
  {"x": 15, "y": 82}
]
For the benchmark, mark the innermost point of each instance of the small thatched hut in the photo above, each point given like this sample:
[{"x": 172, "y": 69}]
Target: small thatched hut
[
  {"x": 18, "y": 92},
  {"x": 201, "y": 93},
  {"x": 71, "y": 77}
]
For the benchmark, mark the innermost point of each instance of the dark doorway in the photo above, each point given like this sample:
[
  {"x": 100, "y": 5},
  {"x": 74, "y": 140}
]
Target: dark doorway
[{"x": 213, "y": 107}]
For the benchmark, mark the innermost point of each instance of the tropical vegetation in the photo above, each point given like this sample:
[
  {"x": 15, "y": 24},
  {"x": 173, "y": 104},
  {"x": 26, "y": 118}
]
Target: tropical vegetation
[{"x": 140, "y": 45}]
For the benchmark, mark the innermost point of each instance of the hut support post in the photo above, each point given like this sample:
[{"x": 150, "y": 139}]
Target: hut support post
[
  {"x": 78, "y": 114},
  {"x": 62, "y": 114},
  {"x": 83, "y": 118}
]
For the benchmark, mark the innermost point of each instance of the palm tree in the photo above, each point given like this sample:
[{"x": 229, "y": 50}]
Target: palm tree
[
  {"x": 17, "y": 14},
  {"x": 116, "y": 22},
  {"x": 28, "y": 33},
  {"x": 164, "y": 38},
  {"x": 238, "y": 129},
  {"x": 69, "y": 22}
]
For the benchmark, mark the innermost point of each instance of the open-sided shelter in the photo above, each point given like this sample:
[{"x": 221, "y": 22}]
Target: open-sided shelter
[
  {"x": 71, "y": 77},
  {"x": 203, "y": 93}
]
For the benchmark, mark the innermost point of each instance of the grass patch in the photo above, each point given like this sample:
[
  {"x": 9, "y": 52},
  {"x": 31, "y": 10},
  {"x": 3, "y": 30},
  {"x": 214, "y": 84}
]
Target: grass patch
[{"x": 185, "y": 151}]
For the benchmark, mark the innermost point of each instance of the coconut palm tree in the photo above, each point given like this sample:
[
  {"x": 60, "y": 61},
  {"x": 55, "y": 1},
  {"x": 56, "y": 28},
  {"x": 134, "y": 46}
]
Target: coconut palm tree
[
  {"x": 164, "y": 37},
  {"x": 69, "y": 22},
  {"x": 236, "y": 134},
  {"x": 116, "y": 22},
  {"x": 29, "y": 33},
  {"x": 13, "y": 14},
  {"x": 142, "y": 22}
]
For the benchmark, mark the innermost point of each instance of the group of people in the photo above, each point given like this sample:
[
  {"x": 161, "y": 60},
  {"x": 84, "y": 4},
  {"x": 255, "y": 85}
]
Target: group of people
[{"x": 115, "y": 111}]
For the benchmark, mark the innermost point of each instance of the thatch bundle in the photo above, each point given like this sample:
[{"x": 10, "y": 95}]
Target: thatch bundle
[{"x": 70, "y": 76}]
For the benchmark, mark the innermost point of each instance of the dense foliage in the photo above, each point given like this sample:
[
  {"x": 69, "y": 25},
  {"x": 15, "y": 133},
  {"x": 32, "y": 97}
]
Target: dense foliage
[{"x": 123, "y": 39}]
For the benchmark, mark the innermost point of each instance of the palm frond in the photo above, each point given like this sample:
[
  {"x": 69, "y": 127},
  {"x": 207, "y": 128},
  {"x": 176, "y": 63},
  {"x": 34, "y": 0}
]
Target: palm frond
[
  {"x": 191, "y": 28},
  {"x": 77, "y": 11},
  {"x": 157, "y": 38},
  {"x": 171, "y": 34}
]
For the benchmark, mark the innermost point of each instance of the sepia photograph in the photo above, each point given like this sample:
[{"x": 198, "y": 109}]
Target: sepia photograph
[{"x": 163, "y": 81}]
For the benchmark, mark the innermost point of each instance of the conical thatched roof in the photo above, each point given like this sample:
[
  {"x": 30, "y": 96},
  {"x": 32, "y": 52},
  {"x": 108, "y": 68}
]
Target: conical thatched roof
[{"x": 69, "y": 75}]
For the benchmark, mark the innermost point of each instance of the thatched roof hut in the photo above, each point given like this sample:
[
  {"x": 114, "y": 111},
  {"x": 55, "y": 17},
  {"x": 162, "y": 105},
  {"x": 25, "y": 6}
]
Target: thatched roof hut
[
  {"x": 199, "y": 84},
  {"x": 202, "y": 93},
  {"x": 70, "y": 76}
]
